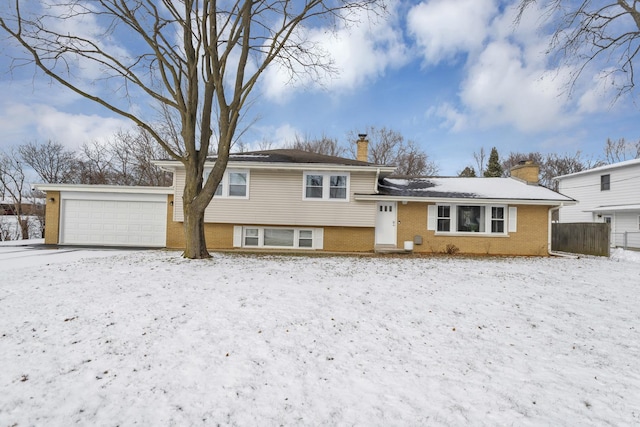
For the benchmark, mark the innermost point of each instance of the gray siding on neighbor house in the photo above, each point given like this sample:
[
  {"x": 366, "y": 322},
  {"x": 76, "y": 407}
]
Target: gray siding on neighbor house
[{"x": 275, "y": 198}]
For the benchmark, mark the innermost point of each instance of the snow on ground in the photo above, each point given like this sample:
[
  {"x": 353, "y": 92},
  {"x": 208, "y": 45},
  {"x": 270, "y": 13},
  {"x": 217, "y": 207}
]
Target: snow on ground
[{"x": 149, "y": 338}]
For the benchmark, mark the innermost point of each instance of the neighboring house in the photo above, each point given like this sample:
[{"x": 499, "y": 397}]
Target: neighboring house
[
  {"x": 608, "y": 194},
  {"x": 291, "y": 199}
]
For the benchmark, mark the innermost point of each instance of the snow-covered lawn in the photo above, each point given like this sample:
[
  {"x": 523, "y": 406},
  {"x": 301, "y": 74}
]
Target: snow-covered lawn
[{"x": 148, "y": 338}]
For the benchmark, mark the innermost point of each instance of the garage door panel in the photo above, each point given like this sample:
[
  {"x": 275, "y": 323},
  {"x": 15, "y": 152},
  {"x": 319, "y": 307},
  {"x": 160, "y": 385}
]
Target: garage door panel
[{"x": 112, "y": 222}]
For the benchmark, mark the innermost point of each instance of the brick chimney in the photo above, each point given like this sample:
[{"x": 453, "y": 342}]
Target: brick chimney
[
  {"x": 363, "y": 148},
  {"x": 526, "y": 171}
]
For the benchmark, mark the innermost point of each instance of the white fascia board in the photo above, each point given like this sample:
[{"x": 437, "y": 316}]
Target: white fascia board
[
  {"x": 459, "y": 201},
  {"x": 89, "y": 188},
  {"x": 172, "y": 165},
  {"x": 600, "y": 169}
]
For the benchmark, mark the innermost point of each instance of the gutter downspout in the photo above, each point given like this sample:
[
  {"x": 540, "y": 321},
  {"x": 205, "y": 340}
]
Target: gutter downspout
[
  {"x": 375, "y": 184},
  {"x": 557, "y": 208}
]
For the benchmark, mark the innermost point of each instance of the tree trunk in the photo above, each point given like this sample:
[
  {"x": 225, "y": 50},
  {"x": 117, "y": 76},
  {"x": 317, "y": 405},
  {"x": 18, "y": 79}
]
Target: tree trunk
[
  {"x": 195, "y": 244},
  {"x": 24, "y": 227}
]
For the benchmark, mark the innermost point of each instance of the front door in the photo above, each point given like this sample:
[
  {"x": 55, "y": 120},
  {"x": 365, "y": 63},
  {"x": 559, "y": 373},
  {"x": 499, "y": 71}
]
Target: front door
[{"x": 386, "y": 223}]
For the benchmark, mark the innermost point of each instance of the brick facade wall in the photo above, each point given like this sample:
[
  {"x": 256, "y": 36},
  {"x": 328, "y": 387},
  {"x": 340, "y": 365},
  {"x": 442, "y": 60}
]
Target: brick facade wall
[
  {"x": 52, "y": 219},
  {"x": 530, "y": 238}
]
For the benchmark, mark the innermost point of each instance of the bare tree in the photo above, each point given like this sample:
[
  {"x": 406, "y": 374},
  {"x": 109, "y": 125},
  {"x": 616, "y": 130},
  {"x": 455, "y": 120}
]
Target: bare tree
[
  {"x": 132, "y": 154},
  {"x": 515, "y": 158},
  {"x": 388, "y": 147},
  {"x": 323, "y": 145},
  {"x": 551, "y": 165},
  {"x": 480, "y": 158},
  {"x": 95, "y": 164},
  {"x": 588, "y": 32},
  {"x": 12, "y": 183},
  {"x": 52, "y": 162},
  {"x": 620, "y": 150},
  {"x": 196, "y": 61}
]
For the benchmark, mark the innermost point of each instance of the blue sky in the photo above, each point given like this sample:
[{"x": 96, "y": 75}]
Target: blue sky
[{"x": 453, "y": 76}]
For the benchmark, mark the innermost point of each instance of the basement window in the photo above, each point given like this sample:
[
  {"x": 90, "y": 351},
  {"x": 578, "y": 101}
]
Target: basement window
[{"x": 267, "y": 237}]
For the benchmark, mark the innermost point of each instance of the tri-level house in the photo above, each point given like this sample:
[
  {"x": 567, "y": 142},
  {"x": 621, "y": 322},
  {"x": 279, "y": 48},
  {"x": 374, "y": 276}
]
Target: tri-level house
[
  {"x": 608, "y": 194},
  {"x": 296, "y": 200}
]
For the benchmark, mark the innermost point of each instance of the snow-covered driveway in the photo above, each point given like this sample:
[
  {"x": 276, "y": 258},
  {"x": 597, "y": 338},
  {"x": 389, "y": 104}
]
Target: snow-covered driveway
[{"x": 148, "y": 338}]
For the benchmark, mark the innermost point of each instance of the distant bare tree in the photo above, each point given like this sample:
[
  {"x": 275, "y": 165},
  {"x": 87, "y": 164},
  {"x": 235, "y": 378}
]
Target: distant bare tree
[
  {"x": 95, "y": 164},
  {"x": 323, "y": 145},
  {"x": 388, "y": 147},
  {"x": 12, "y": 183},
  {"x": 620, "y": 150},
  {"x": 53, "y": 163},
  {"x": 587, "y": 31},
  {"x": 515, "y": 158},
  {"x": 131, "y": 155},
  {"x": 480, "y": 158},
  {"x": 551, "y": 165}
]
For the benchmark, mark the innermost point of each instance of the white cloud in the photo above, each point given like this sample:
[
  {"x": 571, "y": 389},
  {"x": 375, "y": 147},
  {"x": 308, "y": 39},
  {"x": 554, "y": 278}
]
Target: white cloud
[
  {"x": 509, "y": 80},
  {"x": 359, "y": 54},
  {"x": 42, "y": 122},
  {"x": 451, "y": 117},
  {"x": 444, "y": 28},
  {"x": 501, "y": 89}
]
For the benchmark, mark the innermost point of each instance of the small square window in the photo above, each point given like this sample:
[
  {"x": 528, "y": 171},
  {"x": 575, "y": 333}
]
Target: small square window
[
  {"x": 305, "y": 239},
  {"x": 605, "y": 182},
  {"x": 251, "y": 237}
]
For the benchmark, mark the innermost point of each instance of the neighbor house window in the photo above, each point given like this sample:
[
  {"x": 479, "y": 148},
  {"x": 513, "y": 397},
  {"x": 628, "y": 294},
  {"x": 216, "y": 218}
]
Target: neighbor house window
[
  {"x": 326, "y": 186},
  {"x": 605, "y": 182},
  {"x": 234, "y": 184},
  {"x": 444, "y": 218},
  {"x": 277, "y": 237},
  {"x": 471, "y": 219}
]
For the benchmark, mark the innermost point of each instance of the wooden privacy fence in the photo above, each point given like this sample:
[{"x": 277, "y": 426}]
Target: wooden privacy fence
[{"x": 587, "y": 238}]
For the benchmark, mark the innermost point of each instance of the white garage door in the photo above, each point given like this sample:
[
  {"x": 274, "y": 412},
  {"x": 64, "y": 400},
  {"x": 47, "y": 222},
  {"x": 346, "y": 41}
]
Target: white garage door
[{"x": 113, "y": 222}]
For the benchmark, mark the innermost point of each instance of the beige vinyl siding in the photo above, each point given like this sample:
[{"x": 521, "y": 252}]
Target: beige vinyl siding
[{"x": 275, "y": 197}]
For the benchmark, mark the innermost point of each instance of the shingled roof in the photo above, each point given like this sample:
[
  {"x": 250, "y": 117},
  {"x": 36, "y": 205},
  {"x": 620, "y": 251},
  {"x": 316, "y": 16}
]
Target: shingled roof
[
  {"x": 292, "y": 156},
  {"x": 467, "y": 188}
]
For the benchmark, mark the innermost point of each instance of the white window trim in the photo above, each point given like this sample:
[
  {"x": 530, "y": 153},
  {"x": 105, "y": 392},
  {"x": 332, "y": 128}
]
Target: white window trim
[
  {"x": 509, "y": 217},
  {"x": 326, "y": 186},
  {"x": 317, "y": 237},
  {"x": 225, "y": 183}
]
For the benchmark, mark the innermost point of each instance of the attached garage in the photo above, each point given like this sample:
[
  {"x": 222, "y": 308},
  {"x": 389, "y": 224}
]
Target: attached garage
[{"x": 108, "y": 215}]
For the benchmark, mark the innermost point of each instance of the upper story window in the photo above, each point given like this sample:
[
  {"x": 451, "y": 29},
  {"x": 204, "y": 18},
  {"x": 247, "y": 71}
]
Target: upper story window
[
  {"x": 234, "y": 184},
  {"x": 326, "y": 186},
  {"x": 605, "y": 182}
]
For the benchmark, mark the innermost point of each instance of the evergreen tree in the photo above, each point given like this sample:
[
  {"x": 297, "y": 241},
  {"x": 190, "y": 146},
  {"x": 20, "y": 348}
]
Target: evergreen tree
[
  {"x": 468, "y": 172},
  {"x": 494, "y": 168}
]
